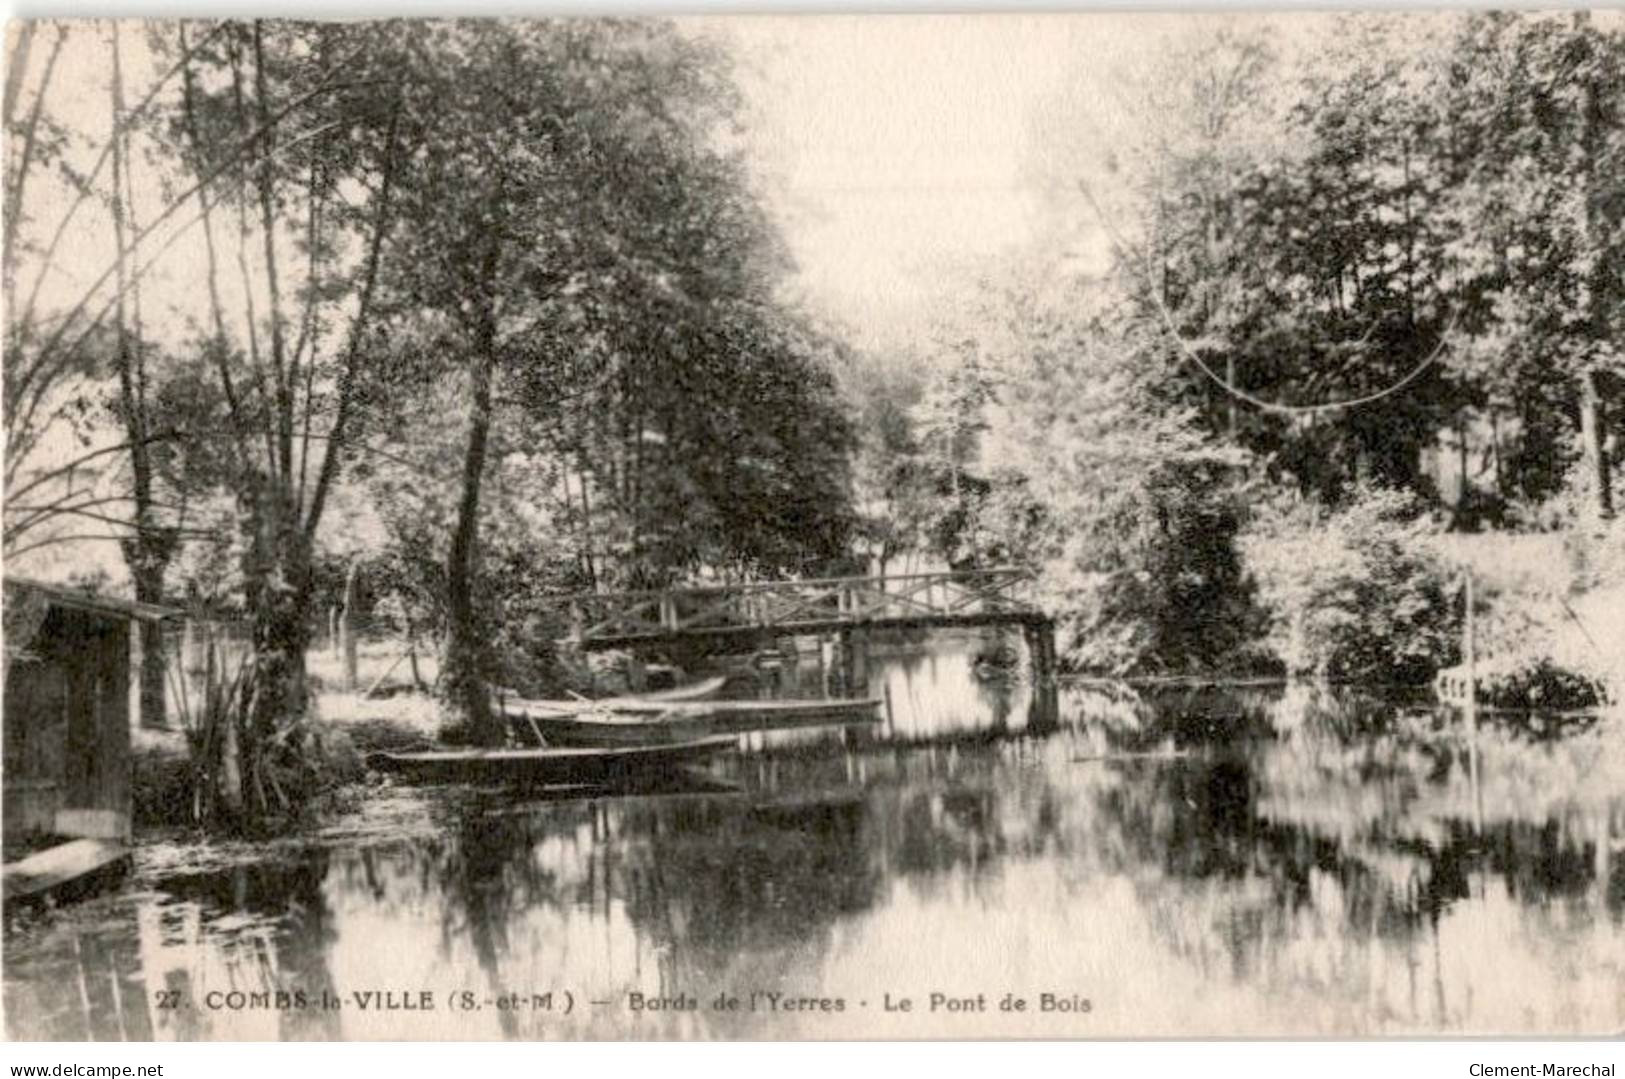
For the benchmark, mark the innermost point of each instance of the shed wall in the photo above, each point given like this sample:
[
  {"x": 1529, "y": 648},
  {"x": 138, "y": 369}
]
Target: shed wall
[{"x": 67, "y": 728}]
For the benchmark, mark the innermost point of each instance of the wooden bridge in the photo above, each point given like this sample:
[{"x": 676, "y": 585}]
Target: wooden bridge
[{"x": 996, "y": 597}]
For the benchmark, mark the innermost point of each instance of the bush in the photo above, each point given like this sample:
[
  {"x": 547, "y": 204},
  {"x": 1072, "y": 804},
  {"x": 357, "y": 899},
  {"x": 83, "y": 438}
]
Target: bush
[
  {"x": 161, "y": 784},
  {"x": 1159, "y": 587},
  {"x": 1359, "y": 594},
  {"x": 1535, "y": 682}
]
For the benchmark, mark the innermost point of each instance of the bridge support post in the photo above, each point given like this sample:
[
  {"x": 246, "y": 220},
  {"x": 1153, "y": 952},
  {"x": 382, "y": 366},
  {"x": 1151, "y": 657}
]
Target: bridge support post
[
  {"x": 855, "y": 660},
  {"x": 1044, "y": 710},
  {"x": 1040, "y": 640},
  {"x": 789, "y": 673},
  {"x": 1044, "y": 715}
]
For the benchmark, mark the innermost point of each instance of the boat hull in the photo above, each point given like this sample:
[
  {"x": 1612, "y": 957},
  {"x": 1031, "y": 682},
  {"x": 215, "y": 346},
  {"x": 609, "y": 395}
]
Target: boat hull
[
  {"x": 539, "y": 767},
  {"x": 642, "y": 703},
  {"x": 609, "y": 727},
  {"x": 596, "y": 733},
  {"x": 739, "y": 717}
]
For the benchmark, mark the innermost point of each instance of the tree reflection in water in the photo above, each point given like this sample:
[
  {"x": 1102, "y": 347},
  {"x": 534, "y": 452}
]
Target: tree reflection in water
[{"x": 1198, "y": 861}]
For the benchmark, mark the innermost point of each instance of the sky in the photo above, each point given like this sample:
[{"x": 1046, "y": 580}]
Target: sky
[
  {"x": 896, "y": 147},
  {"x": 909, "y": 156}
]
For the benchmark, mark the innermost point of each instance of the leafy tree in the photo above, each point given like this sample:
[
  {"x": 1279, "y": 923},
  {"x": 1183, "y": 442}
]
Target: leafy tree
[
  {"x": 1539, "y": 205},
  {"x": 289, "y": 361},
  {"x": 579, "y": 252},
  {"x": 1127, "y": 505},
  {"x": 1435, "y": 190},
  {"x": 949, "y": 423},
  {"x": 1355, "y": 595},
  {"x": 892, "y": 495}
]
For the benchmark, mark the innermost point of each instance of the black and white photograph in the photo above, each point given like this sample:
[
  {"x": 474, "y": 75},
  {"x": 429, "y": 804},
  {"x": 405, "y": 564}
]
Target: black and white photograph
[{"x": 757, "y": 527}]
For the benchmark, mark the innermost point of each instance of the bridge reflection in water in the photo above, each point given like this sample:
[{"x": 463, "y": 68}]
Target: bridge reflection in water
[{"x": 1158, "y": 857}]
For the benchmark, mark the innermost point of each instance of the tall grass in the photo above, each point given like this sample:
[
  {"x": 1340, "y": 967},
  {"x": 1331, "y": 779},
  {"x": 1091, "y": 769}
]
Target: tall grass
[{"x": 213, "y": 716}]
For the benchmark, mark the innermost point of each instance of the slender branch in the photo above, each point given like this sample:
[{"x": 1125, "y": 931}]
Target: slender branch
[
  {"x": 77, "y": 537},
  {"x": 216, "y": 308},
  {"x": 52, "y": 507},
  {"x": 173, "y": 207},
  {"x": 26, "y": 321},
  {"x": 123, "y": 362},
  {"x": 71, "y": 537},
  {"x": 265, "y": 184},
  {"x": 78, "y": 462},
  {"x": 17, "y": 64},
  {"x": 380, "y": 229},
  {"x": 306, "y": 326},
  {"x": 134, "y": 523},
  {"x": 177, "y": 434},
  {"x": 256, "y": 362},
  {"x": 64, "y": 355},
  {"x": 14, "y": 199}
]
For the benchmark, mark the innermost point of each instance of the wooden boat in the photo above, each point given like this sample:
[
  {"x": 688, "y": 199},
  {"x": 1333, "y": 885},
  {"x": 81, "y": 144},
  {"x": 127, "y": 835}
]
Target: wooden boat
[
  {"x": 737, "y": 717},
  {"x": 539, "y": 724},
  {"x": 695, "y": 691},
  {"x": 649, "y": 703},
  {"x": 539, "y": 767},
  {"x": 604, "y": 728},
  {"x": 66, "y": 871}
]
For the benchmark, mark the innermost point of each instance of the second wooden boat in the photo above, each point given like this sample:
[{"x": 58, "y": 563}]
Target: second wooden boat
[
  {"x": 538, "y": 723},
  {"x": 737, "y": 717},
  {"x": 541, "y": 767},
  {"x": 694, "y": 691},
  {"x": 652, "y": 703}
]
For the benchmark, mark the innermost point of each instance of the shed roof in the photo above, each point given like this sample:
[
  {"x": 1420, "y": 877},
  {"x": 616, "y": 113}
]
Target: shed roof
[{"x": 89, "y": 601}]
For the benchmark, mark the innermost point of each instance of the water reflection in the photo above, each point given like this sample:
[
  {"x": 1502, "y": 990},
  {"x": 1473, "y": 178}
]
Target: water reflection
[{"x": 1192, "y": 863}]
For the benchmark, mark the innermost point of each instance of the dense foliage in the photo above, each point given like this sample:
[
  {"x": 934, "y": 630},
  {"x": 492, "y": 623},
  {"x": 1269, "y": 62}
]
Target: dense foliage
[
  {"x": 1357, "y": 593},
  {"x": 487, "y": 310},
  {"x": 1393, "y": 265}
]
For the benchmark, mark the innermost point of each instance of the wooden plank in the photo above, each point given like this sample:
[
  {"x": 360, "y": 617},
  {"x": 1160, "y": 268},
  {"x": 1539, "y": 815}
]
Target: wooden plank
[
  {"x": 61, "y": 866},
  {"x": 541, "y": 766}
]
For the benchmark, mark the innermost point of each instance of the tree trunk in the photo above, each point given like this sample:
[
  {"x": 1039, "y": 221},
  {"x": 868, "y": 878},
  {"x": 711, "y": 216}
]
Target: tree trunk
[
  {"x": 586, "y": 528},
  {"x": 277, "y": 576},
  {"x": 1464, "y": 492},
  {"x": 148, "y": 580},
  {"x": 347, "y": 626},
  {"x": 1592, "y": 423},
  {"x": 466, "y": 662},
  {"x": 147, "y": 553},
  {"x": 412, "y": 654}
]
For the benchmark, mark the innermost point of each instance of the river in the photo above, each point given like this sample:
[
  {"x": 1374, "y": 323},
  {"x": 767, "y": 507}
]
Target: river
[{"x": 1185, "y": 862}]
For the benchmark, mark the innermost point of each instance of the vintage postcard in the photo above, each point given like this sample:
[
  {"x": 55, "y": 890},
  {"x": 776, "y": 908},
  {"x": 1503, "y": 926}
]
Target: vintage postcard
[{"x": 1052, "y": 526}]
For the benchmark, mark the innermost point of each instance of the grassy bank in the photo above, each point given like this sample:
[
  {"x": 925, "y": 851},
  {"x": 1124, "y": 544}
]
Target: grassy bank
[
  {"x": 343, "y": 728},
  {"x": 1552, "y": 602}
]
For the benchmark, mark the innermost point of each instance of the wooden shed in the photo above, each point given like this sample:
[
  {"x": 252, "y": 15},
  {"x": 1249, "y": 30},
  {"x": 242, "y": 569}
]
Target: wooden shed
[{"x": 66, "y": 724}]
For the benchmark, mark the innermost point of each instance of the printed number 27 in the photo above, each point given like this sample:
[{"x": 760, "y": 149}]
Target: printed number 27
[{"x": 168, "y": 999}]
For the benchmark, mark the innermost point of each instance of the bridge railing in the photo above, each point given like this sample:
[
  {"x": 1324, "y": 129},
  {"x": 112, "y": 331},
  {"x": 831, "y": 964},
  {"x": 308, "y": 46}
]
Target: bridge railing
[{"x": 705, "y": 608}]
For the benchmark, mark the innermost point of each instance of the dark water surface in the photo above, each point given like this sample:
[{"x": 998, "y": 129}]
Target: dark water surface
[{"x": 1188, "y": 863}]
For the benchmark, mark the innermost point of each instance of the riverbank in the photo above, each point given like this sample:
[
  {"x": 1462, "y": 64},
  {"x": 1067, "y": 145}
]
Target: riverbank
[{"x": 1551, "y": 610}]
